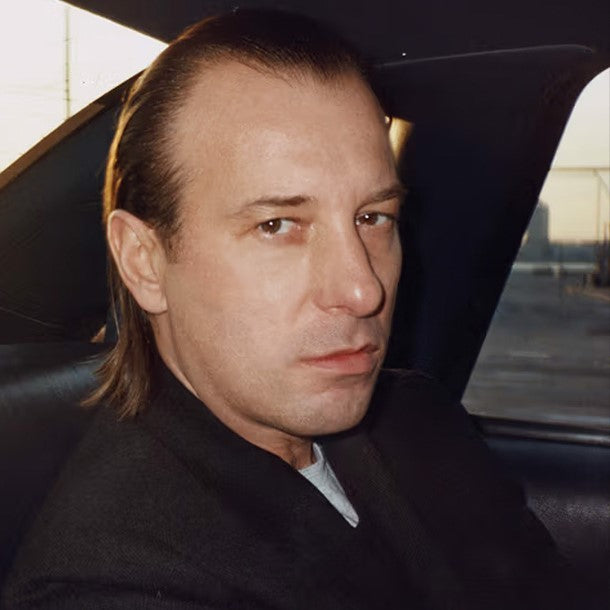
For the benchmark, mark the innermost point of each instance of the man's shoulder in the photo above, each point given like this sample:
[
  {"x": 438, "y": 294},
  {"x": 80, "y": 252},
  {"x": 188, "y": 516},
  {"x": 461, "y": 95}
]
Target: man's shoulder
[
  {"x": 414, "y": 399},
  {"x": 432, "y": 444},
  {"x": 409, "y": 380},
  {"x": 115, "y": 455},
  {"x": 412, "y": 414},
  {"x": 462, "y": 493},
  {"x": 118, "y": 473},
  {"x": 106, "y": 511}
]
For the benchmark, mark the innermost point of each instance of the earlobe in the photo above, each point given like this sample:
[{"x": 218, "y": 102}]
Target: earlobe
[{"x": 140, "y": 259}]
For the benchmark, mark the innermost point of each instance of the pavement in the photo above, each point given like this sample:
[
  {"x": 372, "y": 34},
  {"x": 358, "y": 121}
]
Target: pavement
[{"x": 547, "y": 354}]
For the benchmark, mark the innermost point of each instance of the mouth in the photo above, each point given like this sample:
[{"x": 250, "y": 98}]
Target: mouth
[{"x": 350, "y": 361}]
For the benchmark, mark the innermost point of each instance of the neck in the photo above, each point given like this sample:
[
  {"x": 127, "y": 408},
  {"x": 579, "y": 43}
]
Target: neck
[
  {"x": 294, "y": 450},
  {"x": 298, "y": 454}
]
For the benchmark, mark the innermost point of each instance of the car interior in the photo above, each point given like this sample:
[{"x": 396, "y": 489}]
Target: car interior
[{"x": 488, "y": 88}]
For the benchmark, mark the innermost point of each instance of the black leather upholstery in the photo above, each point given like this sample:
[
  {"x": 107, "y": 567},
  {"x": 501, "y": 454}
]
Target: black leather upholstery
[
  {"x": 40, "y": 423},
  {"x": 568, "y": 487}
]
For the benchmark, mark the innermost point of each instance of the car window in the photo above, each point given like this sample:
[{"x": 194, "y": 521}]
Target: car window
[
  {"x": 546, "y": 357},
  {"x": 56, "y": 60}
]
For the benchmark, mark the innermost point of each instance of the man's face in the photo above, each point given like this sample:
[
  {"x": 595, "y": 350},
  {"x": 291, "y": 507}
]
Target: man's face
[{"x": 280, "y": 296}]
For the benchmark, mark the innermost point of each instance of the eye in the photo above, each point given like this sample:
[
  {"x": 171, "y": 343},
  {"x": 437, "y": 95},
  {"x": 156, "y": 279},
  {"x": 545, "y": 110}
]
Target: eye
[
  {"x": 276, "y": 226},
  {"x": 373, "y": 219}
]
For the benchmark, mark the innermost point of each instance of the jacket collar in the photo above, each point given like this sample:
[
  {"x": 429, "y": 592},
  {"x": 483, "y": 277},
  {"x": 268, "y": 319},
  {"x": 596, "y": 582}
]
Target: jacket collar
[{"x": 270, "y": 496}]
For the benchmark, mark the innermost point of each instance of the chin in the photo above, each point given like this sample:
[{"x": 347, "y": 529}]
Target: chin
[
  {"x": 335, "y": 418},
  {"x": 335, "y": 407},
  {"x": 338, "y": 427}
]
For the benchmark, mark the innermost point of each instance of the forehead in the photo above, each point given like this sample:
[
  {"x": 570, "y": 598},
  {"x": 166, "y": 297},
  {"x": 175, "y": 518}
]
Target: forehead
[
  {"x": 227, "y": 85},
  {"x": 244, "y": 128}
]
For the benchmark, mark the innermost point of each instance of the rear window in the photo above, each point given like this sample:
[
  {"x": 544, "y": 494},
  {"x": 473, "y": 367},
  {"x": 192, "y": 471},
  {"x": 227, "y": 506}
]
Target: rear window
[
  {"x": 547, "y": 354},
  {"x": 56, "y": 59}
]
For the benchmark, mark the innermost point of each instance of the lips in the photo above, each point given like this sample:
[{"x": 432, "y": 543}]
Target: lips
[{"x": 349, "y": 361}]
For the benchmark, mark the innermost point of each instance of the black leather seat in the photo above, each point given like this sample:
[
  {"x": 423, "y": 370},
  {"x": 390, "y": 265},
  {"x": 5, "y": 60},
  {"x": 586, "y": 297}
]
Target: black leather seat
[
  {"x": 40, "y": 424},
  {"x": 568, "y": 487}
]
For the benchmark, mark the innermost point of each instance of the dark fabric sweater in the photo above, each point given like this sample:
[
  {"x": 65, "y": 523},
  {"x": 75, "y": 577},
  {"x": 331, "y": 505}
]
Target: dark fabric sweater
[{"x": 172, "y": 510}]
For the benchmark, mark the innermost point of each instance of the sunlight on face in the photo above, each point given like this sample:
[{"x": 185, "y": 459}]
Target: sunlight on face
[{"x": 281, "y": 297}]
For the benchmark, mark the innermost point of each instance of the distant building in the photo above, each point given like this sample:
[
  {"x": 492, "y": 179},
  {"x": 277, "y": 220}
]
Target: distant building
[
  {"x": 538, "y": 248},
  {"x": 536, "y": 244}
]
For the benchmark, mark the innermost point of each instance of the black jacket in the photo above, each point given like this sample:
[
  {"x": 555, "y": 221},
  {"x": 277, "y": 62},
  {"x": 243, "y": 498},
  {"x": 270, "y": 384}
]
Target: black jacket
[{"x": 174, "y": 510}]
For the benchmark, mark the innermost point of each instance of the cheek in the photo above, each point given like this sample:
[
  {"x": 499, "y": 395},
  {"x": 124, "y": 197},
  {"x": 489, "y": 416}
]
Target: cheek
[{"x": 233, "y": 308}]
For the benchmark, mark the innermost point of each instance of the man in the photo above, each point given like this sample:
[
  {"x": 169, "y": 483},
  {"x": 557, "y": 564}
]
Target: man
[{"x": 251, "y": 207}]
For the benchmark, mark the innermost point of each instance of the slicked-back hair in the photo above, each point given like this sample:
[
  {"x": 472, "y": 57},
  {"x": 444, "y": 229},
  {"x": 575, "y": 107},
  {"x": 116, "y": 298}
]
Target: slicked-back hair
[{"x": 143, "y": 178}]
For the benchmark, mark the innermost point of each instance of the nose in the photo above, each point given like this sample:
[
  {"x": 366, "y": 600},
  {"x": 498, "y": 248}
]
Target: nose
[{"x": 344, "y": 279}]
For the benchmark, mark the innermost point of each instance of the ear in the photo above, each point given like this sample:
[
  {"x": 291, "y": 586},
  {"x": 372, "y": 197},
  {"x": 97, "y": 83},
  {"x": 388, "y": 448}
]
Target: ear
[{"x": 140, "y": 259}]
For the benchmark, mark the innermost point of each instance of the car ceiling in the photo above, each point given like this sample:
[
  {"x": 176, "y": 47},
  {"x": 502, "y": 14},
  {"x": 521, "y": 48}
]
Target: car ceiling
[
  {"x": 489, "y": 87},
  {"x": 386, "y": 29}
]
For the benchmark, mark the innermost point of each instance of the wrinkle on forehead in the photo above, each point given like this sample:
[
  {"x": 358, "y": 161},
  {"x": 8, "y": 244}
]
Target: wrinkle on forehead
[
  {"x": 240, "y": 128},
  {"x": 231, "y": 94}
]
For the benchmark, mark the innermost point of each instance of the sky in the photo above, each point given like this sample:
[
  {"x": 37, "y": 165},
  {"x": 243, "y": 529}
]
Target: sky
[{"x": 103, "y": 54}]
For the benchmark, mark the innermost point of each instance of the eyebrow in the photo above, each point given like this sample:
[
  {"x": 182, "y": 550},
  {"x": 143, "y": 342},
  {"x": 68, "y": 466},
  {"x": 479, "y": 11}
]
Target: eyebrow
[
  {"x": 272, "y": 202},
  {"x": 396, "y": 191}
]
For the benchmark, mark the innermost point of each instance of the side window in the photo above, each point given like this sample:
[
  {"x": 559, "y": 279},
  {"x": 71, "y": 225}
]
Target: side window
[
  {"x": 56, "y": 59},
  {"x": 546, "y": 357}
]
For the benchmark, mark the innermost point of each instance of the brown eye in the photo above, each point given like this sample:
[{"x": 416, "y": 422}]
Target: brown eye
[
  {"x": 374, "y": 219},
  {"x": 276, "y": 226},
  {"x": 271, "y": 226},
  {"x": 371, "y": 218}
]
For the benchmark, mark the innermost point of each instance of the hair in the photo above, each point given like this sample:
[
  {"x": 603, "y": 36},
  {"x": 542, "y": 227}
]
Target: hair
[{"x": 143, "y": 179}]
